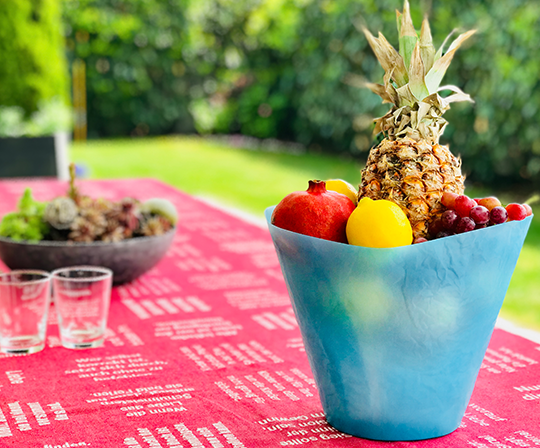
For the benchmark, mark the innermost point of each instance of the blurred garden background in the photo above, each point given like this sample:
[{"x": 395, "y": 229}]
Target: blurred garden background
[{"x": 243, "y": 101}]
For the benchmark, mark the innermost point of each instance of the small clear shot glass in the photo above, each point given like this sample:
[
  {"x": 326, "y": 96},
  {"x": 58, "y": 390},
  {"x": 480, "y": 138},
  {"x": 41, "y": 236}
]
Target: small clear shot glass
[
  {"x": 24, "y": 306},
  {"x": 82, "y": 296}
]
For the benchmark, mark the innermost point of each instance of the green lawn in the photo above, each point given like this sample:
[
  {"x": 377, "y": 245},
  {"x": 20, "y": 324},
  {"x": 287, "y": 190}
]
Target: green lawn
[{"x": 253, "y": 180}]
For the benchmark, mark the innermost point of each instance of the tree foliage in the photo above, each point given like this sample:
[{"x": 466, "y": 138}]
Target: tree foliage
[
  {"x": 279, "y": 68},
  {"x": 32, "y": 58},
  {"x": 137, "y": 82}
]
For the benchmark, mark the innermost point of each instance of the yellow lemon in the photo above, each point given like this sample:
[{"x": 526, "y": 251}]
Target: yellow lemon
[
  {"x": 379, "y": 223},
  {"x": 343, "y": 187}
]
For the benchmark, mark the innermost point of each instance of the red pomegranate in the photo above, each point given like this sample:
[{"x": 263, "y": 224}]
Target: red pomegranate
[{"x": 315, "y": 212}]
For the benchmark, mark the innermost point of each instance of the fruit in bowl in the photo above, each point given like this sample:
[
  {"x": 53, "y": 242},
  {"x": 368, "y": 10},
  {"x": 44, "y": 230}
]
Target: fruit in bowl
[
  {"x": 343, "y": 187},
  {"x": 379, "y": 223},
  {"x": 127, "y": 236},
  {"x": 327, "y": 214},
  {"x": 315, "y": 212}
]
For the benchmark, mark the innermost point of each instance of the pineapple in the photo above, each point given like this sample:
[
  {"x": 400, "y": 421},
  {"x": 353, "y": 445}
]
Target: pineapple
[{"x": 409, "y": 167}]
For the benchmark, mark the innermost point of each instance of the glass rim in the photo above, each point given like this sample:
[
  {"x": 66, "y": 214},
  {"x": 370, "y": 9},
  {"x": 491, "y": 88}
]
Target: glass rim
[
  {"x": 5, "y": 277},
  {"x": 105, "y": 273}
]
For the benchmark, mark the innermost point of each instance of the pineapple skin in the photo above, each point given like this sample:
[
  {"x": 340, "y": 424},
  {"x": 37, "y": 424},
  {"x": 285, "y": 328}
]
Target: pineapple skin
[{"x": 414, "y": 175}]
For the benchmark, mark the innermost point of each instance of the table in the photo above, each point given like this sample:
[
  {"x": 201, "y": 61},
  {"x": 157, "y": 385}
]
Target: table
[{"x": 204, "y": 351}]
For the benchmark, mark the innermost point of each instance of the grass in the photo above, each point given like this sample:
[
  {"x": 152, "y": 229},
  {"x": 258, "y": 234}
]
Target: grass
[{"x": 252, "y": 180}]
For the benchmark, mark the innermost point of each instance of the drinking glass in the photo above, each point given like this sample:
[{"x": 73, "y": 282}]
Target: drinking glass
[
  {"x": 82, "y": 296},
  {"x": 24, "y": 304}
]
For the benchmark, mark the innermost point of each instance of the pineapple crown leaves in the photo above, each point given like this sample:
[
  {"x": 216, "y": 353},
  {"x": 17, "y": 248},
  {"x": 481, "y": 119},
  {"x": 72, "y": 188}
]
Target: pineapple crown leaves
[{"x": 412, "y": 80}]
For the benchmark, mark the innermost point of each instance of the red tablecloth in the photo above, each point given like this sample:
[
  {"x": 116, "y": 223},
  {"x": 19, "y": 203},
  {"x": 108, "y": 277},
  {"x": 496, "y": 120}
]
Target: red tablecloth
[{"x": 204, "y": 351}]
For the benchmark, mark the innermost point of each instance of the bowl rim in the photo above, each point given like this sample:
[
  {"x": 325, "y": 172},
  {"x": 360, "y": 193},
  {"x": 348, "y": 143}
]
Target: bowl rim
[{"x": 51, "y": 243}]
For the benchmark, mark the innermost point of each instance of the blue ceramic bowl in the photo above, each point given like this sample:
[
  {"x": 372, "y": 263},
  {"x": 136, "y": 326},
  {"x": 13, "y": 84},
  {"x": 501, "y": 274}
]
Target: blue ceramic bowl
[{"x": 395, "y": 337}]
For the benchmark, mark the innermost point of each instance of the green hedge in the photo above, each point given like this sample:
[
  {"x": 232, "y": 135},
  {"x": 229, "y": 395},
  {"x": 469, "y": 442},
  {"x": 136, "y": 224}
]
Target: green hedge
[
  {"x": 137, "y": 82},
  {"x": 32, "y": 57},
  {"x": 270, "y": 68}
]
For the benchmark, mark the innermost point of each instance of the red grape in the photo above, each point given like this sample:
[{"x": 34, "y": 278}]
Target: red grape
[
  {"x": 465, "y": 225},
  {"x": 490, "y": 202},
  {"x": 419, "y": 240},
  {"x": 435, "y": 227},
  {"x": 479, "y": 214},
  {"x": 449, "y": 219},
  {"x": 448, "y": 199},
  {"x": 463, "y": 205},
  {"x": 444, "y": 233},
  {"x": 498, "y": 215},
  {"x": 516, "y": 212},
  {"x": 528, "y": 208}
]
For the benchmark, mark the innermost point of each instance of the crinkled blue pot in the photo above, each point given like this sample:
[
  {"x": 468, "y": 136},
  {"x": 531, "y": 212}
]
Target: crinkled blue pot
[{"x": 395, "y": 337}]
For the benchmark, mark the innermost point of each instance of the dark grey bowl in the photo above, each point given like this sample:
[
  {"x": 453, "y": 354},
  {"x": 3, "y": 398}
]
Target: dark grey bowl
[{"x": 128, "y": 259}]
